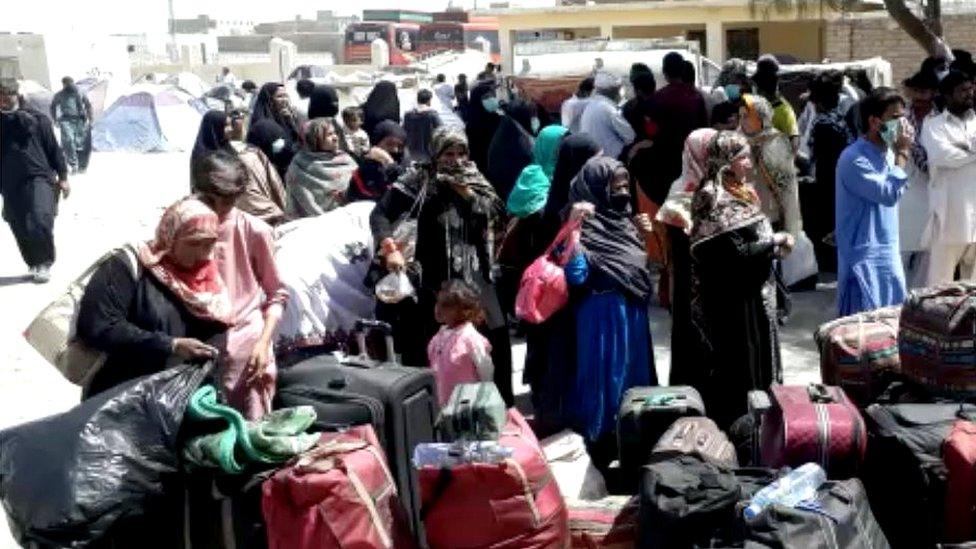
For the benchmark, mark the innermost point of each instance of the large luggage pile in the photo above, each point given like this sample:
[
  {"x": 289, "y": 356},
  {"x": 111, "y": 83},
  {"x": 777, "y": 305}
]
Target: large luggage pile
[{"x": 358, "y": 454}]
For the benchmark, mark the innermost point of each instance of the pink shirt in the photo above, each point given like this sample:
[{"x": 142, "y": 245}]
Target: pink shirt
[
  {"x": 457, "y": 355},
  {"x": 245, "y": 257}
]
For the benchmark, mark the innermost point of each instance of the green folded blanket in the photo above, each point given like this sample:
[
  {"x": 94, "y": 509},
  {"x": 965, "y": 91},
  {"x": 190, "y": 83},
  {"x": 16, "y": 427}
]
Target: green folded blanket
[{"x": 275, "y": 438}]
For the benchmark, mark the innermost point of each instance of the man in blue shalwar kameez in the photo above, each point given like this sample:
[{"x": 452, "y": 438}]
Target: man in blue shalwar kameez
[{"x": 870, "y": 181}]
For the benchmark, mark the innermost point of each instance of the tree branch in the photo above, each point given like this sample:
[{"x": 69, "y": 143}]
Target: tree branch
[{"x": 914, "y": 26}]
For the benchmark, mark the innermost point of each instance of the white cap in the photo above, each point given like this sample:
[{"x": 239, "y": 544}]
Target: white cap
[{"x": 604, "y": 80}]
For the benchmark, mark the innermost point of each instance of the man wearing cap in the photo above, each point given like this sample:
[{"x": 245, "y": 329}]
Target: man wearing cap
[
  {"x": 33, "y": 174},
  {"x": 602, "y": 119},
  {"x": 913, "y": 210},
  {"x": 949, "y": 139}
]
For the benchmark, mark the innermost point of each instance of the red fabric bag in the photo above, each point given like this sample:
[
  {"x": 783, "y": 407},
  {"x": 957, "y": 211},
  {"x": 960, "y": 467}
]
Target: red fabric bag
[
  {"x": 515, "y": 504},
  {"x": 543, "y": 289},
  {"x": 338, "y": 495},
  {"x": 959, "y": 456},
  {"x": 817, "y": 423}
]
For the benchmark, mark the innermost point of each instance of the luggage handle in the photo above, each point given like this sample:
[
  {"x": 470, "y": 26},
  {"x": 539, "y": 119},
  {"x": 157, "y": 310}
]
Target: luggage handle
[
  {"x": 665, "y": 399},
  {"x": 820, "y": 394},
  {"x": 363, "y": 326}
]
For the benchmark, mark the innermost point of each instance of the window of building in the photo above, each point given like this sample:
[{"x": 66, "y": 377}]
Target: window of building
[{"x": 742, "y": 43}]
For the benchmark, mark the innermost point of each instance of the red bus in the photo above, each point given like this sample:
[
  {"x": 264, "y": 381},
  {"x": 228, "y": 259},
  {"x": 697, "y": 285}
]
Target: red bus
[
  {"x": 453, "y": 36},
  {"x": 402, "y": 38}
]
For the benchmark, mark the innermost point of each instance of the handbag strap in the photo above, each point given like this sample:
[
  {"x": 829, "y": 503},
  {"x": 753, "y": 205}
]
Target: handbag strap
[{"x": 564, "y": 233}]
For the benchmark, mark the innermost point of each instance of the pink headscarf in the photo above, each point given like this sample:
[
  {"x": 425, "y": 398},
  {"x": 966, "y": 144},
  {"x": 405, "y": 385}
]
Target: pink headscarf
[
  {"x": 201, "y": 289},
  {"x": 676, "y": 210}
]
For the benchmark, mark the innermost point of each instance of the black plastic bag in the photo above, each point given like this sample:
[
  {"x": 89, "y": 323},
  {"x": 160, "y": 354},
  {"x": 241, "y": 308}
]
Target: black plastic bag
[{"x": 67, "y": 479}]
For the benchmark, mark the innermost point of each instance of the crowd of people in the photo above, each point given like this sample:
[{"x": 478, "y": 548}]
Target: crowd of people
[{"x": 472, "y": 185}]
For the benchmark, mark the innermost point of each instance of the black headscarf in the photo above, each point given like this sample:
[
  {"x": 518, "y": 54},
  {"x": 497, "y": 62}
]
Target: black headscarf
[
  {"x": 481, "y": 125},
  {"x": 609, "y": 238},
  {"x": 268, "y": 136},
  {"x": 324, "y": 102},
  {"x": 386, "y": 128},
  {"x": 264, "y": 109},
  {"x": 509, "y": 153},
  {"x": 211, "y": 135},
  {"x": 575, "y": 151},
  {"x": 522, "y": 112},
  {"x": 382, "y": 104}
]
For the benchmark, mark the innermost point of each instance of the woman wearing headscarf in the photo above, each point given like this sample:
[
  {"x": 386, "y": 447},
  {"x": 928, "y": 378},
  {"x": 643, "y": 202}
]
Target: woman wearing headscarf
[
  {"x": 675, "y": 214},
  {"x": 383, "y": 103},
  {"x": 609, "y": 275},
  {"x": 268, "y": 136},
  {"x": 272, "y": 103},
  {"x": 381, "y": 166},
  {"x": 264, "y": 197},
  {"x": 511, "y": 147},
  {"x": 733, "y": 298},
  {"x": 549, "y": 362},
  {"x": 523, "y": 240},
  {"x": 245, "y": 259},
  {"x": 773, "y": 159},
  {"x": 319, "y": 175},
  {"x": 456, "y": 212},
  {"x": 155, "y": 305},
  {"x": 324, "y": 103},
  {"x": 574, "y": 152},
  {"x": 482, "y": 121},
  {"x": 213, "y": 134}
]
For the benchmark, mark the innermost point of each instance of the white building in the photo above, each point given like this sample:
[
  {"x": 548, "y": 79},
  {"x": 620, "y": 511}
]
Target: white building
[{"x": 46, "y": 58}]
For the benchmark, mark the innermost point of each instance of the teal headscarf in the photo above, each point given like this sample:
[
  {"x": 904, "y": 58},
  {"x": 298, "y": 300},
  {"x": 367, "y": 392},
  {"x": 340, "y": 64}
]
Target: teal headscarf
[{"x": 532, "y": 188}]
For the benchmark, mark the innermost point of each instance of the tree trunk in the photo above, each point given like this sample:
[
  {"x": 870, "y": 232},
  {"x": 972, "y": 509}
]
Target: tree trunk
[{"x": 925, "y": 36}]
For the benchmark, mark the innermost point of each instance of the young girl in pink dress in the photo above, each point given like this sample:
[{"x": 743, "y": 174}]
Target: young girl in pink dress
[
  {"x": 458, "y": 353},
  {"x": 245, "y": 258}
]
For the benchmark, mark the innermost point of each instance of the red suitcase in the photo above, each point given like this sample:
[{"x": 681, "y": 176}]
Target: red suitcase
[
  {"x": 959, "y": 456},
  {"x": 515, "y": 504},
  {"x": 817, "y": 423}
]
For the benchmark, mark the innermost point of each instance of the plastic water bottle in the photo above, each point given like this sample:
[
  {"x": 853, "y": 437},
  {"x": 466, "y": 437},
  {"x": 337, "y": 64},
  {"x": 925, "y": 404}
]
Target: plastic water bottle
[
  {"x": 800, "y": 485},
  {"x": 440, "y": 454}
]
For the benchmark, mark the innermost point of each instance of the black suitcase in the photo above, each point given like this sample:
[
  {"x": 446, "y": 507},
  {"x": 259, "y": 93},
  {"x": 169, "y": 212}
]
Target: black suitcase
[
  {"x": 903, "y": 471},
  {"x": 838, "y": 518},
  {"x": 224, "y": 511},
  {"x": 646, "y": 413},
  {"x": 400, "y": 402}
]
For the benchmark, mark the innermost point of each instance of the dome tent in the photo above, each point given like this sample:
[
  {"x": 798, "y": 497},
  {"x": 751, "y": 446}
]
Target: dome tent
[{"x": 149, "y": 118}]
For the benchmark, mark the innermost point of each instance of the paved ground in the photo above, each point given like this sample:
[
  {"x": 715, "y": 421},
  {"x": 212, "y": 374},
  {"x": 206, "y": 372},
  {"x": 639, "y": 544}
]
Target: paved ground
[{"x": 121, "y": 199}]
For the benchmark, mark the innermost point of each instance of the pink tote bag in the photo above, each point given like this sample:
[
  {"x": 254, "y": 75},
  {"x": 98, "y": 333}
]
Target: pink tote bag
[{"x": 543, "y": 289}]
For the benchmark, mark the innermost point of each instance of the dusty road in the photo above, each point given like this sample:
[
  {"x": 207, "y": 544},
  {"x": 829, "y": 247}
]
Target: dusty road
[{"x": 120, "y": 199}]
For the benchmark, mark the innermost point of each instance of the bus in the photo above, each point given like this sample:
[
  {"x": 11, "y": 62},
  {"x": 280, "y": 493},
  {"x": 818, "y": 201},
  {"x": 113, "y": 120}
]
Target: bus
[
  {"x": 402, "y": 38},
  {"x": 456, "y": 36}
]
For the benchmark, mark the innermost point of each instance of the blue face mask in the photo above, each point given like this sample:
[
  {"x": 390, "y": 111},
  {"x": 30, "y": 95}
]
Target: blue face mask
[
  {"x": 889, "y": 132},
  {"x": 536, "y": 125},
  {"x": 733, "y": 92},
  {"x": 491, "y": 104}
]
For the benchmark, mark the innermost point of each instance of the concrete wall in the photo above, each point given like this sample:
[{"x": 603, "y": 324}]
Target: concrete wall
[
  {"x": 800, "y": 39},
  {"x": 47, "y": 58},
  {"x": 871, "y": 36}
]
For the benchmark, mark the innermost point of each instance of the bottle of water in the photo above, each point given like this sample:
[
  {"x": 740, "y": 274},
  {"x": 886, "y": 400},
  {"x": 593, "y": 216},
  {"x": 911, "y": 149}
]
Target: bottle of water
[
  {"x": 800, "y": 485},
  {"x": 441, "y": 454}
]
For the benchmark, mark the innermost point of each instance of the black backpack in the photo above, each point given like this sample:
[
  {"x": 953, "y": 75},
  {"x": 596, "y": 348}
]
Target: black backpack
[{"x": 686, "y": 502}]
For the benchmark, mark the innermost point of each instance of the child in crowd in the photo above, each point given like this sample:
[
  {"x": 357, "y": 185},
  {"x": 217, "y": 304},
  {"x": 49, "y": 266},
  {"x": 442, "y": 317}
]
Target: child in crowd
[
  {"x": 357, "y": 142},
  {"x": 459, "y": 353}
]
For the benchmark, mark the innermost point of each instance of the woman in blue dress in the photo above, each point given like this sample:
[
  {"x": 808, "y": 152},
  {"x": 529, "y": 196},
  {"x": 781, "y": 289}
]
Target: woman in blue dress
[{"x": 612, "y": 287}]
